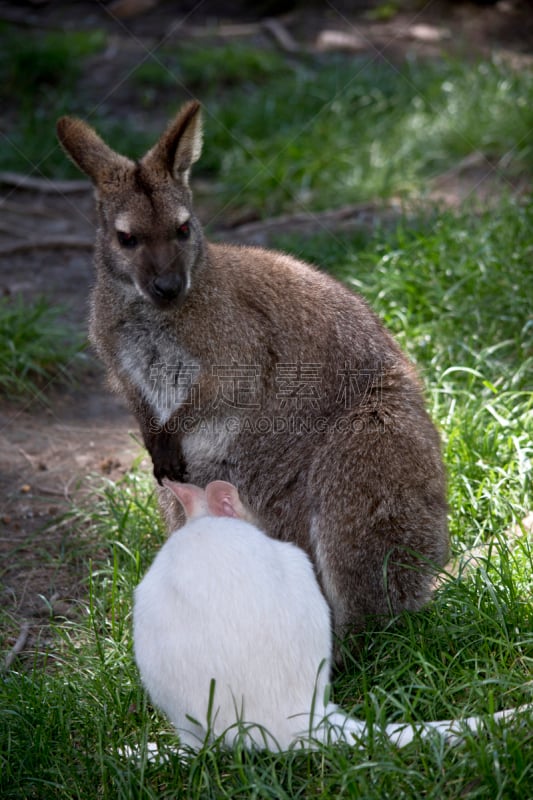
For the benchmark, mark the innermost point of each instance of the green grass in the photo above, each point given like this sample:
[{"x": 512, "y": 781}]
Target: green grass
[
  {"x": 345, "y": 131},
  {"x": 281, "y": 133},
  {"x": 33, "y": 60},
  {"x": 225, "y": 66},
  {"x": 39, "y": 74},
  {"x": 36, "y": 347},
  {"x": 455, "y": 290},
  {"x": 319, "y": 133}
]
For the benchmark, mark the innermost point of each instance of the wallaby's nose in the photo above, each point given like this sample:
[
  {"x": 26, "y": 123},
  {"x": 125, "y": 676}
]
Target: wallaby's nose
[{"x": 167, "y": 287}]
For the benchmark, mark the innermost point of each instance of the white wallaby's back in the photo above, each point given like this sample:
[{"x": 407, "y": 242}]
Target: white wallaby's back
[{"x": 224, "y": 602}]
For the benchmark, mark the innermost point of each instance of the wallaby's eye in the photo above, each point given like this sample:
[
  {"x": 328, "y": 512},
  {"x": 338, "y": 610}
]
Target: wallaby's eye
[
  {"x": 184, "y": 231},
  {"x": 127, "y": 239}
]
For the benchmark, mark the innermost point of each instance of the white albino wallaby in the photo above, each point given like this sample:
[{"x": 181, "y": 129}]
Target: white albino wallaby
[
  {"x": 223, "y": 602},
  {"x": 247, "y": 365},
  {"x": 232, "y": 635}
]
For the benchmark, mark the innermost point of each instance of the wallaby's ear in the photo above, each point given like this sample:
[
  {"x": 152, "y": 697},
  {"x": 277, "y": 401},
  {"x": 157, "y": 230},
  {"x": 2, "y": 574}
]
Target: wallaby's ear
[
  {"x": 88, "y": 151},
  {"x": 223, "y": 500},
  {"x": 180, "y": 145},
  {"x": 191, "y": 497}
]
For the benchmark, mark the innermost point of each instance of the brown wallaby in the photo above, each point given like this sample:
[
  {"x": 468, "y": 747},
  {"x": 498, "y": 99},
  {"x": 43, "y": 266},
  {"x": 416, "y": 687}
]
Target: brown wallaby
[{"x": 247, "y": 365}]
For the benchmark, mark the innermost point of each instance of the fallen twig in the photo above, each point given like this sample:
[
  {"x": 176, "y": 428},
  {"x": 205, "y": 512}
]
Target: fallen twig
[
  {"x": 43, "y": 184},
  {"x": 18, "y": 646},
  {"x": 45, "y": 490},
  {"x": 56, "y": 243},
  {"x": 125, "y": 9},
  {"x": 311, "y": 222},
  {"x": 230, "y": 30},
  {"x": 27, "y": 20},
  {"x": 281, "y": 35},
  {"x": 10, "y": 230},
  {"x": 30, "y": 459},
  {"x": 27, "y": 210}
]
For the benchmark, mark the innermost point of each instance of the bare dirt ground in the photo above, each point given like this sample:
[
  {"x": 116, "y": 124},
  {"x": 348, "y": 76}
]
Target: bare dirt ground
[{"x": 52, "y": 453}]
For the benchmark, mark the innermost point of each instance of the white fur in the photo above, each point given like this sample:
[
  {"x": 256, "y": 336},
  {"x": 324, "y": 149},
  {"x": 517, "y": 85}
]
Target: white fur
[
  {"x": 224, "y": 602},
  {"x": 182, "y": 215},
  {"x": 155, "y": 380},
  {"x": 206, "y": 444},
  {"x": 123, "y": 222}
]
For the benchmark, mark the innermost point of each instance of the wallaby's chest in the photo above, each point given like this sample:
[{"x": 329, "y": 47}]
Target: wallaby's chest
[{"x": 150, "y": 357}]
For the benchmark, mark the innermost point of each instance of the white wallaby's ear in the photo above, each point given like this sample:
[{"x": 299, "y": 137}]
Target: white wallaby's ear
[
  {"x": 88, "y": 151},
  {"x": 223, "y": 500},
  {"x": 180, "y": 145},
  {"x": 191, "y": 497}
]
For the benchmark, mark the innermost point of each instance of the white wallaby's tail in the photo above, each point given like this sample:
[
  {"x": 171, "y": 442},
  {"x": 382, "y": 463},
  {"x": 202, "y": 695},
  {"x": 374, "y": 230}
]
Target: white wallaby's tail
[
  {"x": 338, "y": 727},
  {"x": 453, "y": 730}
]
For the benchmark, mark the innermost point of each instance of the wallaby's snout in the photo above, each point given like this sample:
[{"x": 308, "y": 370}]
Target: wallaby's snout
[
  {"x": 167, "y": 289},
  {"x": 163, "y": 275}
]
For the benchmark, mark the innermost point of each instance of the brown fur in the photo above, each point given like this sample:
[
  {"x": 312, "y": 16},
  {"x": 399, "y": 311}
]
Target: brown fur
[{"x": 362, "y": 488}]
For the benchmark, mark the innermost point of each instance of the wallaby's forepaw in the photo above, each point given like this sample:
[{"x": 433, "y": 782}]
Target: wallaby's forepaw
[
  {"x": 167, "y": 458},
  {"x": 173, "y": 470}
]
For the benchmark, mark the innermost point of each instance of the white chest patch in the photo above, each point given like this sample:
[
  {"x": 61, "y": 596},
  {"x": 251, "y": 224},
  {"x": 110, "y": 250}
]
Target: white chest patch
[
  {"x": 208, "y": 443},
  {"x": 164, "y": 373}
]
